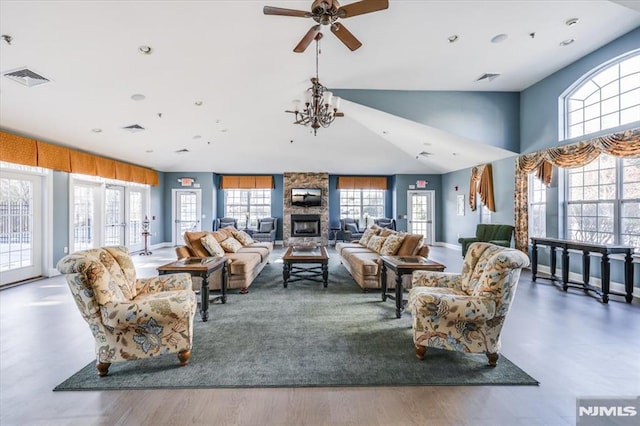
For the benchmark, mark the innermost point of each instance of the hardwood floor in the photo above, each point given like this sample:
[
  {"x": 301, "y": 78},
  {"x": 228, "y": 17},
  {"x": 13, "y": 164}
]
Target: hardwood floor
[{"x": 574, "y": 345}]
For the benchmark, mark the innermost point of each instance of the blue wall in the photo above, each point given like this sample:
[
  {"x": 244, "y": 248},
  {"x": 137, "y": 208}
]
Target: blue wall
[
  {"x": 539, "y": 115},
  {"x": 492, "y": 118}
]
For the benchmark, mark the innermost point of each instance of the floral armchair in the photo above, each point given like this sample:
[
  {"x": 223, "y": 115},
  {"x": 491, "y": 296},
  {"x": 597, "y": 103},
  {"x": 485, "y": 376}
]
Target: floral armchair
[
  {"x": 465, "y": 312},
  {"x": 130, "y": 318}
]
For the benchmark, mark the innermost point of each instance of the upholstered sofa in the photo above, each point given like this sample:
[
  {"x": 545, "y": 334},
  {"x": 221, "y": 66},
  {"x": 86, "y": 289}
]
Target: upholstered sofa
[
  {"x": 243, "y": 266},
  {"x": 499, "y": 235},
  {"x": 362, "y": 258}
]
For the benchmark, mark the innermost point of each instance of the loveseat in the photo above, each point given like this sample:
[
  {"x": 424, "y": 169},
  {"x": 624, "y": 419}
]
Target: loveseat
[
  {"x": 362, "y": 258},
  {"x": 499, "y": 235},
  {"x": 243, "y": 265}
]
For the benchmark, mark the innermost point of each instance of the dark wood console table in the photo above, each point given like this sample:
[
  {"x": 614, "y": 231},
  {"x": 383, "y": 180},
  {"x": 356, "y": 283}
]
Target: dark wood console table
[{"x": 586, "y": 249}]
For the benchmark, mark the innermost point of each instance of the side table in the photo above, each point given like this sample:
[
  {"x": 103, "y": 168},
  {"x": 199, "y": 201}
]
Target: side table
[
  {"x": 201, "y": 267},
  {"x": 403, "y": 265}
]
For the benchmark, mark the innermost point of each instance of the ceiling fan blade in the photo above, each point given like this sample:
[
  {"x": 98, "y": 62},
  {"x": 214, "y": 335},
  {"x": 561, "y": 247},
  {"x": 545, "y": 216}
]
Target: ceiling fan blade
[
  {"x": 270, "y": 10},
  {"x": 307, "y": 39},
  {"x": 345, "y": 36},
  {"x": 362, "y": 7}
]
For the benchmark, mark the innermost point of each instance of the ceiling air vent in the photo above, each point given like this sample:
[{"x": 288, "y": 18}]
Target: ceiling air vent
[
  {"x": 26, "y": 77},
  {"x": 488, "y": 77},
  {"x": 134, "y": 128},
  {"x": 182, "y": 151},
  {"x": 425, "y": 154}
]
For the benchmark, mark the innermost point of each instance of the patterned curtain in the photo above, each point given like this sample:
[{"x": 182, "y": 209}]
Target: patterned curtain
[
  {"x": 482, "y": 184},
  {"x": 623, "y": 144}
]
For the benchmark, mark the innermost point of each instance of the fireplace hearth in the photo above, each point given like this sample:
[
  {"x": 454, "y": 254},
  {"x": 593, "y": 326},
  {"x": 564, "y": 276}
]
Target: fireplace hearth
[{"x": 305, "y": 225}]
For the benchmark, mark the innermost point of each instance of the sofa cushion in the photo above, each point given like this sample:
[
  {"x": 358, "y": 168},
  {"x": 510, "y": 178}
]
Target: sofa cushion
[
  {"x": 212, "y": 246},
  {"x": 231, "y": 245},
  {"x": 375, "y": 243},
  {"x": 253, "y": 248},
  {"x": 391, "y": 245},
  {"x": 244, "y": 238},
  {"x": 370, "y": 232},
  {"x": 364, "y": 264},
  {"x": 265, "y": 227},
  {"x": 243, "y": 263},
  {"x": 410, "y": 244}
]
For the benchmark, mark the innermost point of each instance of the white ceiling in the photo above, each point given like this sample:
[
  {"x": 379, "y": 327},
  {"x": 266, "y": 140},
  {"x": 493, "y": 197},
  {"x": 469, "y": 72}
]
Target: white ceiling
[{"x": 240, "y": 64}]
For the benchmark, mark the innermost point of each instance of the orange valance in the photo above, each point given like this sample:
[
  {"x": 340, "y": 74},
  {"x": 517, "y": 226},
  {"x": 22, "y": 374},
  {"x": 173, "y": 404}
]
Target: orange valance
[
  {"x": 30, "y": 152},
  {"x": 362, "y": 182},
  {"x": 246, "y": 182}
]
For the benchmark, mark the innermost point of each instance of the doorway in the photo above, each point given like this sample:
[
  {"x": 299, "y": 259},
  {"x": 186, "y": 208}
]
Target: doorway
[
  {"x": 420, "y": 208},
  {"x": 186, "y": 212}
]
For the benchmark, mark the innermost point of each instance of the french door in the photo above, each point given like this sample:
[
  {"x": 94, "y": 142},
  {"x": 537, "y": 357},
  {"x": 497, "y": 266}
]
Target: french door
[
  {"x": 20, "y": 227},
  {"x": 186, "y": 212},
  {"x": 107, "y": 214},
  {"x": 420, "y": 208}
]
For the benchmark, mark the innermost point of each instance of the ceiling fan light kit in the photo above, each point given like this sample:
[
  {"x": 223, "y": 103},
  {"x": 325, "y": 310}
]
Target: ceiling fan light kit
[{"x": 326, "y": 12}]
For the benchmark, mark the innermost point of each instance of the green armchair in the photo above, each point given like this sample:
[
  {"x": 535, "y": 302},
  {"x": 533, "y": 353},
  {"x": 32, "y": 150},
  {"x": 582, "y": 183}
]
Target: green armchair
[{"x": 487, "y": 233}]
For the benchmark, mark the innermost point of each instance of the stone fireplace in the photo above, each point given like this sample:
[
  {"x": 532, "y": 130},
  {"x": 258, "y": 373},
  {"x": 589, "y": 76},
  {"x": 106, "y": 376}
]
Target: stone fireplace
[
  {"x": 305, "y": 225},
  {"x": 306, "y": 230}
]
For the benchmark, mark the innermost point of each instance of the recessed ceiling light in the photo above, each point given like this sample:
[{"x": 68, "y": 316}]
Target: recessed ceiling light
[
  {"x": 499, "y": 38},
  {"x": 145, "y": 50},
  {"x": 566, "y": 42},
  {"x": 571, "y": 22},
  {"x": 149, "y": 151},
  {"x": 198, "y": 103},
  {"x": 452, "y": 38},
  {"x": 224, "y": 130},
  {"x": 426, "y": 143},
  {"x": 96, "y": 130},
  {"x": 197, "y": 137},
  {"x": 138, "y": 97},
  {"x": 454, "y": 153}
]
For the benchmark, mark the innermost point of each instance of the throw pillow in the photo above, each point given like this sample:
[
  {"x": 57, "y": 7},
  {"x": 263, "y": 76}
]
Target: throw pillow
[
  {"x": 385, "y": 232},
  {"x": 364, "y": 240},
  {"x": 391, "y": 245},
  {"x": 375, "y": 243},
  {"x": 244, "y": 238},
  {"x": 212, "y": 246},
  {"x": 265, "y": 227},
  {"x": 231, "y": 245}
]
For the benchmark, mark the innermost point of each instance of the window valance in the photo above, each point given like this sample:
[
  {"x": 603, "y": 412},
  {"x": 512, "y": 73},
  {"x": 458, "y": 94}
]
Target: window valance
[
  {"x": 362, "y": 182},
  {"x": 482, "y": 184},
  {"x": 623, "y": 144},
  {"x": 30, "y": 152},
  {"x": 246, "y": 182}
]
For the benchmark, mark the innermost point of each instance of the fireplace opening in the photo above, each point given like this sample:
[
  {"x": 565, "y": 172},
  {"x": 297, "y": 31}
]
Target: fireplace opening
[{"x": 305, "y": 225}]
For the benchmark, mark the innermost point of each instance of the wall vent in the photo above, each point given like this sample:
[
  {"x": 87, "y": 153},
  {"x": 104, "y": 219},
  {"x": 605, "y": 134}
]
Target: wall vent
[
  {"x": 134, "y": 128},
  {"x": 488, "y": 77},
  {"x": 26, "y": 77}
]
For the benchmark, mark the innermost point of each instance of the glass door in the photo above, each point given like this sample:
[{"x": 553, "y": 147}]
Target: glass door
[
  {"x": 186, "y": 213},
  {"x": 85, "y": 219},
  {"x": 136, "y": 209},
  {"x": 114, "y": 225},
  {"x": 420, "y": 214},
  {"x": 20, "y": 227}
]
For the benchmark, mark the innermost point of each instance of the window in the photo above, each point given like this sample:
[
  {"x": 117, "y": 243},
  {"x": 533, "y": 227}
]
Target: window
[
  {"x": 362, "y": 204},
  {"x": 485, "y": 214},
  {"x": 247, "y": 205},
  {"x": 603, "y": 201},
  {"x": 608, "y": 98},
  {"x": 537, "y": 207}
]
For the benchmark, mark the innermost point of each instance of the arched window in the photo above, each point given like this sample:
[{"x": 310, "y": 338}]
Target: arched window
[{"x": 608, "y": 97}]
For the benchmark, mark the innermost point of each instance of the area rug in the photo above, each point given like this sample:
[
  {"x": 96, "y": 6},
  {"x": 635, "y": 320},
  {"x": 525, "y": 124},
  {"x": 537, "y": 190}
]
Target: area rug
[{"x": 302, "y": 336}]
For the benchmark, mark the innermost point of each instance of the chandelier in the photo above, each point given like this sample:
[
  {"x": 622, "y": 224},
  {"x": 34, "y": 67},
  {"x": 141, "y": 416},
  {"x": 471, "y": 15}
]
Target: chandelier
[{"x": 320, "y": 107}]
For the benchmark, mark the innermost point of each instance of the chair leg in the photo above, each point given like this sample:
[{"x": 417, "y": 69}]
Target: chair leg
[
  {"x": 103, "y": 368},
  {"x": 184, "y": 356},
  {"x": 420, "y": 351},
  {"x": 493, "y": 359}
]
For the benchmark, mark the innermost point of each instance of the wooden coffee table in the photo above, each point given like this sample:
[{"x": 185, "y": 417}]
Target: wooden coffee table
[
  {"x": 291, "y": 272},
  {"x": 201, "y": 267},
  {"x": 403, "y": 265}
]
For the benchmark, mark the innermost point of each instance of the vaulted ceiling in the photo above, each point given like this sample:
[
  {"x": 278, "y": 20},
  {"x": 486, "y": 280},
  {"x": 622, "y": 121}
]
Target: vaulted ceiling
[{"x": 238, "y": 64}]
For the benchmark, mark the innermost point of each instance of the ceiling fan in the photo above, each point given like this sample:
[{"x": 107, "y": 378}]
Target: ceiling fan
[{"x": 326, "y": 12}]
